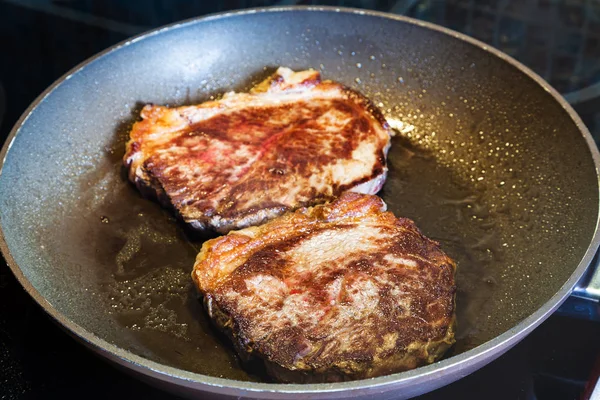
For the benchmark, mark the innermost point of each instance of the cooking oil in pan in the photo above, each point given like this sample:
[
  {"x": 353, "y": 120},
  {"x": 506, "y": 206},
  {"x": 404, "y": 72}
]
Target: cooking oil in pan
[
  {"x": 149, "y": 290},
  {"x": 150, "y": 255}
]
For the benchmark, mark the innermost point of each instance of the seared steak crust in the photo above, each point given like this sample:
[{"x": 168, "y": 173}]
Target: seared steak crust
[
  {"x": 335, "y": 292},
  {"x": 292, "y": 141}
]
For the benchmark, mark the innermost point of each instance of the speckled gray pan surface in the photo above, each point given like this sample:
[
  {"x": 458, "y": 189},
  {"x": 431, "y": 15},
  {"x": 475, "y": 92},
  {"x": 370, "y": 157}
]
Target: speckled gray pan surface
[{"x": 487, "y": 160}]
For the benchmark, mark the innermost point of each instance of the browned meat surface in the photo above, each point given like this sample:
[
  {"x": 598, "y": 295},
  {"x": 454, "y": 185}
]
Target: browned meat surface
[
  {"x": 334, "y": 292},
  {"x": 293, "y": 141}
]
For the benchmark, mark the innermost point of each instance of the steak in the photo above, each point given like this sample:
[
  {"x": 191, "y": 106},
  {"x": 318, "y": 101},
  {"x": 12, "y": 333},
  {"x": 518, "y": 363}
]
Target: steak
[
  {"x": 335, "y": 292},
  {"x": 293, "y": 141}
]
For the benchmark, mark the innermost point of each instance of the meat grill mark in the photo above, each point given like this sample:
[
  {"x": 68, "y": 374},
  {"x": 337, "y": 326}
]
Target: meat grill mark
[
  {"x": 339, "y": 291},
  {"x": 293, "y": 141}
]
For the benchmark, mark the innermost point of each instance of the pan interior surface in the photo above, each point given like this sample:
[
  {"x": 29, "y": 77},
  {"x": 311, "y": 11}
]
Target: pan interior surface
[{"x": 485, "y": 161}]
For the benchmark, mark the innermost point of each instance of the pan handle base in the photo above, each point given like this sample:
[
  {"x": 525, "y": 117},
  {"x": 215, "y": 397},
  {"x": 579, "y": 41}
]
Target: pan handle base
[{"x": 588, "y": 287}]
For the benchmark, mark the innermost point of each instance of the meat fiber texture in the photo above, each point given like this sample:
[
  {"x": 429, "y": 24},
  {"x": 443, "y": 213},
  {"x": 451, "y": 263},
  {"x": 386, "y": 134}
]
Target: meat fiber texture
[
  {"x": 335, "y": 292},
  {"x": 292, "y": 141}
]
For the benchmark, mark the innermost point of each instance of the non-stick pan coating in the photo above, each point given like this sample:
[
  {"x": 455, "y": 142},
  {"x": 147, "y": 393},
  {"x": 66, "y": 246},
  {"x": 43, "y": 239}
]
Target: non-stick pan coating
[{"x": 486, "y": 161}]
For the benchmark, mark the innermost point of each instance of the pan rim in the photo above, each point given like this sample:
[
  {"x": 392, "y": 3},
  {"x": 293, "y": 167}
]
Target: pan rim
[{"x": 479, "y": 355}]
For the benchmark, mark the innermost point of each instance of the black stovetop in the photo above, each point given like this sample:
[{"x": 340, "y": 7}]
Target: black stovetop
[{"x": 42, "y": 39}]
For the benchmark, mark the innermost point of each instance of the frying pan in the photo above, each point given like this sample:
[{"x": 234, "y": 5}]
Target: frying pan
[{"x": 488, "y": 159}]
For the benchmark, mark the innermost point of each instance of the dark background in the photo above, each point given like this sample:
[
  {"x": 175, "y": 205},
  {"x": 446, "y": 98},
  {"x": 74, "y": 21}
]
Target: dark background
[{"x": 42, "y": 39}]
